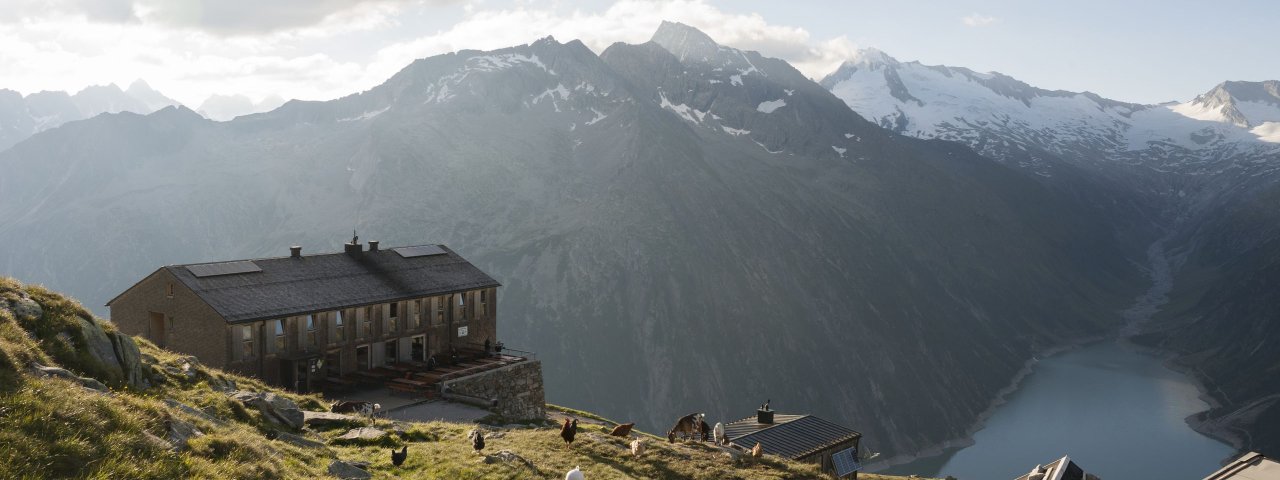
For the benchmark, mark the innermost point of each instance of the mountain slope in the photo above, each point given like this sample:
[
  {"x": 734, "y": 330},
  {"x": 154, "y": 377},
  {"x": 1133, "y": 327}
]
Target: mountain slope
[
  {"x": 184, "y": 420},
  {"x": 1200, "y": 177},
  {"x": 672, "y": 235},
  {"x": 21, "y": 117}
]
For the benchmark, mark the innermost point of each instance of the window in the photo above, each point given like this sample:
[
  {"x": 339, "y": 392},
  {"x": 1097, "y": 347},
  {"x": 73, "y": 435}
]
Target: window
[
  {"x": 338, "y": 327},
  {"x": 439, "y": 301},
  {"x": 366, "y": 324},
  {"x": 278, "y": 327},
  {"x": 484, "y": 302},
  {"x": 169, "y": 290},
  {"x": 461, "y": 312},
  {"x": 311, "y": 330},
  {"x": 246, "y": 341},
  {"x": 417, "y": 313},
  {"x": 390, "y": 352},
  {"x": 389, "y": 323}
]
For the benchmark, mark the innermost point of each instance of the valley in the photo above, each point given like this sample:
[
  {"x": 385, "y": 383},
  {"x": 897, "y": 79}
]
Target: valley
[{"x": 681, "y": 225}]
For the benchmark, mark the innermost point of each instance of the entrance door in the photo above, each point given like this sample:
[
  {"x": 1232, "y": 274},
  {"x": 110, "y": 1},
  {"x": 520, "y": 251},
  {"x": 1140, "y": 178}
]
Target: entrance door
[
  {"x": 362, "y": 357},
  {"x": 418, "y": 349},
  {"x": 155, "y": 330}
]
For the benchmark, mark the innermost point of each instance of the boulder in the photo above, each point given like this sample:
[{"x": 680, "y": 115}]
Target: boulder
[
  {"x": 222, "y": 384},
  {"x": 130, "y": 360},
  {"x": 99, "y": 345},
  {"x": 347, "y": 470},
  {"x": 362, "y": 434},
  {"x": 507, "y": 456},
  {"x": 275, "y": 408},
  {"x": 181, "y": 431},
  {"x": 325, "y": 419},
  {"x": 26, "y": 308},
  {"x": 86, "y": 382}
]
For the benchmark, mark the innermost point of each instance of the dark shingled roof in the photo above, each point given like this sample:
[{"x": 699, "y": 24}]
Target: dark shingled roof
[
  {"x": 291, "y": 286},
  {"x": 790, "y": 436}
]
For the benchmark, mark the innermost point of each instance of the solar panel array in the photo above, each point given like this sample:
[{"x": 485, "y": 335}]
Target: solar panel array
[
  {"x": 419, "y": 251},
  {"x": 226, "y": 268},
  {"x": 846, "y": 462}
]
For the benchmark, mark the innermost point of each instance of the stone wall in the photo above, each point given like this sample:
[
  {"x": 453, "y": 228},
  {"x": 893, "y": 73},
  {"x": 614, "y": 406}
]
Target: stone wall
[{"x": 518, "y": 389}]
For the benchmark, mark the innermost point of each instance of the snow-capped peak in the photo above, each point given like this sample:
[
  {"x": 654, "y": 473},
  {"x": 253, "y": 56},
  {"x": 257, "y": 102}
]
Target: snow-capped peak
[
  {"x": 870, "y": 58},
  {"x": 685, "y": 42},
  {"x": 1243, "y": 104}
]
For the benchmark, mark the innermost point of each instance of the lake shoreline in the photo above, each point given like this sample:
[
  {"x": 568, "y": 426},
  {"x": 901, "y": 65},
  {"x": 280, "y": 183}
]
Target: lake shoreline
[
  {"x": 1000, "y": 399},
  {"x": 1135, "y": 317}
]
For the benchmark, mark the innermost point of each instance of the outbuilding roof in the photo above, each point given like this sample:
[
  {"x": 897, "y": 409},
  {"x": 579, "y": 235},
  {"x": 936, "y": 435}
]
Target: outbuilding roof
[
  {"x": 1250, "y": 466},
  {"x": 284, "y": 286},
  {"x": 790, "y": 436}
]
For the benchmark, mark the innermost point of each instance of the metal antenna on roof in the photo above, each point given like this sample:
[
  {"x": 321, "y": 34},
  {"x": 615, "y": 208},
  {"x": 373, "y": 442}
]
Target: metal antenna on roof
[{"x": 355, "y": 239}]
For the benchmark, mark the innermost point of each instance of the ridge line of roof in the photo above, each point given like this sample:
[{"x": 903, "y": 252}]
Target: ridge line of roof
[{"x": 380, "y": 249}]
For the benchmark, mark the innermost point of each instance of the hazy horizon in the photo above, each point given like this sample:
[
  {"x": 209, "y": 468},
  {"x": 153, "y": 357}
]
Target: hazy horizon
[{"x": 191, "y": 50}]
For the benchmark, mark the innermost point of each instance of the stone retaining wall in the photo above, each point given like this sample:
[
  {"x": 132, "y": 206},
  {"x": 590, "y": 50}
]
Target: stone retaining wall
[{"x": 518, "y": 389}]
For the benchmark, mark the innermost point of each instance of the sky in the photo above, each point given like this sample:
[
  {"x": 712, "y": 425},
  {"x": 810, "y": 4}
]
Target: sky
[{"x": 1146, "y": 52}]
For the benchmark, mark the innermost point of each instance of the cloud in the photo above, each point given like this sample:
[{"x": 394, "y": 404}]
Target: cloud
[
  {"x": 978, "y": 20},
  {"x": 630, "y": 21},
  {"x": 330, "y": 48}
]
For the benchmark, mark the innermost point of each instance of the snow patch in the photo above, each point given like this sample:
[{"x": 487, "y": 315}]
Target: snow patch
[
  {"x": 790, "y": 92},
  {"x": 735, "y": 131},
  {"x": 771, "y": 105},
  {"x": 1267, "y": 132},
  {"x": 364, "y": 116},
  {"x": 735, "y": 80},
  {"x": 686, "y": 112},
  {"x": 599, "y": 116},
  {"x": 839, "y": 150},
  {"x": 766, "y": 148}
]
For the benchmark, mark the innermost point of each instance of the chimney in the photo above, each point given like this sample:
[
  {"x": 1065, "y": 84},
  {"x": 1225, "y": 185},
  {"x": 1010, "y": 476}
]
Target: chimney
[
  {"x": 373, "y": 245},
  {"x": 764, "y": 414},
  {"x": 295, "y": 251},
  {"x": 353, "y": 249}
]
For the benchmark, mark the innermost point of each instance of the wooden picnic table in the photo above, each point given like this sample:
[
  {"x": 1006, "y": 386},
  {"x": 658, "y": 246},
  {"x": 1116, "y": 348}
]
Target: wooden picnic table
[{"x": 413, "y": 383}]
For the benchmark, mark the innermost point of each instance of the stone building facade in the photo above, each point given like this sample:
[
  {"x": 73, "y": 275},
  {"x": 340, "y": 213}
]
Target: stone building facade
[{"x": 296, "y": 321}]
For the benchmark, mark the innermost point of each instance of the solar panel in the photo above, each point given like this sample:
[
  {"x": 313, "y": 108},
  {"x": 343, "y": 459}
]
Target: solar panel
[
  {"x": 419, "y": 251},
  {"x": 226, "y": 268},
  {"x": 846, "y": 462}
]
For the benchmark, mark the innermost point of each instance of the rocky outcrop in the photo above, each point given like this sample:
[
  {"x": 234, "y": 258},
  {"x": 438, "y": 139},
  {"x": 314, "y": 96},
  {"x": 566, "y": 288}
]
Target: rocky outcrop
[
  {"x": 116, "y": 353},
  {"x": 347, "y": 470},
  {"x": 179, "y": 432},
  {"x": 275, "y": 408},
  {"x": 129, "y": 360},
  {"x": 507, "y": 456},
  {"x": 361, "y": 435},
  {"x": 297, "y": 440},
  {"x": 26, "y": 308},
  {"x": 86, "y": 382},
  {"x": 184, "y": 408},
  {"x": 328, "y": 419}
]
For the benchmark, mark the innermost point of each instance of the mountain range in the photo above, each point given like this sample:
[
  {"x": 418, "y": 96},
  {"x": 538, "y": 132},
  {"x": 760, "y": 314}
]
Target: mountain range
[
  {"x": 684, "y": 226},
  {"x": 23, "y": 116}
]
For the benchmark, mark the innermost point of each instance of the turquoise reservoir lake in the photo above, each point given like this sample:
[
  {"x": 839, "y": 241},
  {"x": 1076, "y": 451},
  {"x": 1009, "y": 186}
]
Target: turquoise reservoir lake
[{"x": 1117, "y": 412}]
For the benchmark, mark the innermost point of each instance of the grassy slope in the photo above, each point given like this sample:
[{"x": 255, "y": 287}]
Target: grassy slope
[{"x": 54, "y": 428}]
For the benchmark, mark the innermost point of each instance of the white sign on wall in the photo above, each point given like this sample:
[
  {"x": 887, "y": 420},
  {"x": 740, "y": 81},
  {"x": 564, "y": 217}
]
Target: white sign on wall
[{"x": 462, "y": 331}]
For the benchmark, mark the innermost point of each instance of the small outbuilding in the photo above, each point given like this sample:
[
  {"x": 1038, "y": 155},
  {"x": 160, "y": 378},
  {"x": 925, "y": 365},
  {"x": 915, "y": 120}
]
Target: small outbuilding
[
  {"x": 1250, "y": 466},
  {"x": 803, "y": 438},
  {"x": 1060, "y": 469}
]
